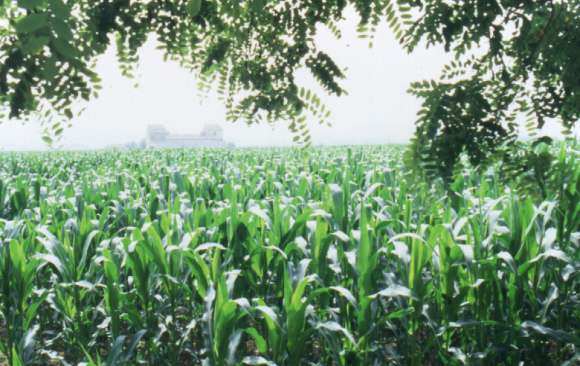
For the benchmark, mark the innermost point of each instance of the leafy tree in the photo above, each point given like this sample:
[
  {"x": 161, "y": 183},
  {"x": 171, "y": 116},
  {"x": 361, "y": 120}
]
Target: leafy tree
[{"x": 511, "y": 57}]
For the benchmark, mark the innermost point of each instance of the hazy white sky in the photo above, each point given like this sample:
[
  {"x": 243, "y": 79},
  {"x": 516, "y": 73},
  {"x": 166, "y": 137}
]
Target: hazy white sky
[{"x": 376, "y": 110}]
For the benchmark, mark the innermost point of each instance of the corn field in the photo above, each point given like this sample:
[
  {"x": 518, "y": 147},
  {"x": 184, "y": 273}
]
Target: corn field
[{"x": 334, "y": 256}]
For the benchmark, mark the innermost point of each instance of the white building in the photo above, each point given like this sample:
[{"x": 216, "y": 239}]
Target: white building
[{"x": 210, "y": 136}]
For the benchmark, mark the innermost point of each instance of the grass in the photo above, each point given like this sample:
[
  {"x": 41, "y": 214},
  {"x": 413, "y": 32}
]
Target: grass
[{"x": 334, "y": 256}]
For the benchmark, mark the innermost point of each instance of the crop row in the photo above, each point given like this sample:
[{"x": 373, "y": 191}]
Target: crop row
[{"x": 334, "y": 256}]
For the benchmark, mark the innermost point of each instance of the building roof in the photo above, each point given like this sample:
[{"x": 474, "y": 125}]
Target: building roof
[{"x": 210, "y": 136}]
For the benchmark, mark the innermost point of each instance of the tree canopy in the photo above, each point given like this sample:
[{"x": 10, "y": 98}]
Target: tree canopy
[{"x": 510, "y": 57}]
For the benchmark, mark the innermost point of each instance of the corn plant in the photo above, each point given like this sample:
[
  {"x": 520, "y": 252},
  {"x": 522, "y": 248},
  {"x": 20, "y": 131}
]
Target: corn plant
[{"x": 331, "y": 256}]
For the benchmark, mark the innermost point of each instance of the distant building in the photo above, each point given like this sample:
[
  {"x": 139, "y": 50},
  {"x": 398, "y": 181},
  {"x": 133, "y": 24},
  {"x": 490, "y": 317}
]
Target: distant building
[{"x": 210, "y": 136}]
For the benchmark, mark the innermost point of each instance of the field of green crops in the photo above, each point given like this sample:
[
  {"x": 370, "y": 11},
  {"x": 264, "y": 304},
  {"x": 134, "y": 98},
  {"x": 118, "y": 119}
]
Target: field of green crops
[{"x": 333, "y": 256}]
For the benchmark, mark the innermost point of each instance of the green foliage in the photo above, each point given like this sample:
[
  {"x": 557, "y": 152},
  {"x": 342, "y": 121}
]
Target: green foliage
[
  {"x": 252, "y": 47},
  {"x": 510, "y": 58},
  {"x": 335, "y": 256}
]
